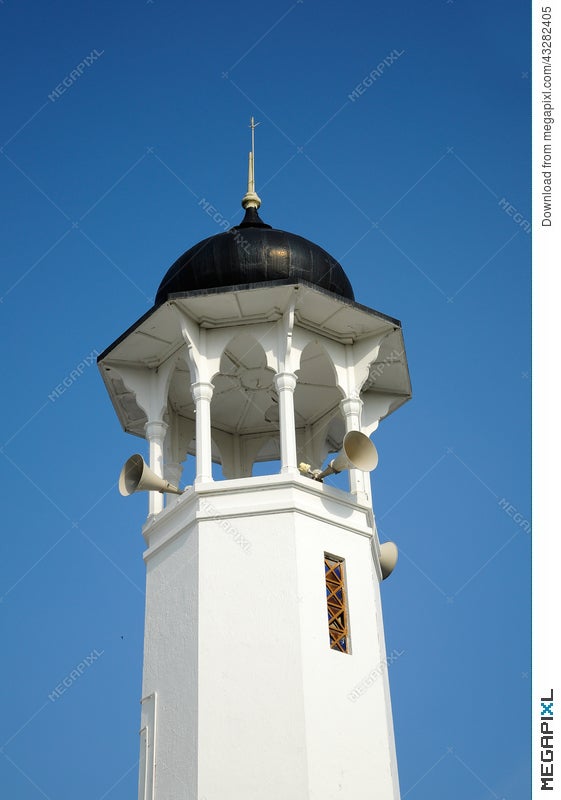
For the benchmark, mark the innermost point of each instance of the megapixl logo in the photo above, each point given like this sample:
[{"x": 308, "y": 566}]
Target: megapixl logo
[{"x": 546, "y": 742}]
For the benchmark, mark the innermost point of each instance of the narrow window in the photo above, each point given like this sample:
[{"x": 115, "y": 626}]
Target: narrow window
[{"x": 337, "y": 613}]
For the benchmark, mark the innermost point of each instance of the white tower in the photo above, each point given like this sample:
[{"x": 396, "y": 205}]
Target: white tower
[{"x": 263, "y": 611}]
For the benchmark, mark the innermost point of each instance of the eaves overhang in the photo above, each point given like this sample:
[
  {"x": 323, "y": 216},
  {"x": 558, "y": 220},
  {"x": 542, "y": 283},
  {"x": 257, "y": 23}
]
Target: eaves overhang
[{"x": 156, "y": 336}]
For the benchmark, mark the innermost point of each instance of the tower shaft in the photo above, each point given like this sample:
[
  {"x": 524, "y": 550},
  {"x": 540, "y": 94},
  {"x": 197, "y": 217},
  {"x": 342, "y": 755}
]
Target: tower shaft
[{"x": 243, "y": 692}]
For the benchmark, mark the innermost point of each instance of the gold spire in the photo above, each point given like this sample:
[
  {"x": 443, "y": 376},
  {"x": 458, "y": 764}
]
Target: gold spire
[{"x": 251, "y": 199}]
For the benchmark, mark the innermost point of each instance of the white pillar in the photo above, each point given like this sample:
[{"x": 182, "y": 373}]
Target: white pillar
[
  {"x": 156, "y": 434},
  {"x": 285, "y": 383},
  {"x": 352, "y": 409},
  {"x": 202, "y": 395}
]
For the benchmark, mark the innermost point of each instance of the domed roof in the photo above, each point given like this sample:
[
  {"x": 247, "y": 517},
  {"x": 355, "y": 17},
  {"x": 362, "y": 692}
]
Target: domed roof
[{"x": 253, "y": 252}]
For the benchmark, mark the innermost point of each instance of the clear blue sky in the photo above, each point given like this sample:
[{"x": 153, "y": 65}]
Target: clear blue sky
[{"x": 433, "y": 151}]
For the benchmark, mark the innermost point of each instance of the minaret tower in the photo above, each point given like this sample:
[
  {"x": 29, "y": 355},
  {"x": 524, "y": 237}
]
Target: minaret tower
[{"x": 263, "y": 611}]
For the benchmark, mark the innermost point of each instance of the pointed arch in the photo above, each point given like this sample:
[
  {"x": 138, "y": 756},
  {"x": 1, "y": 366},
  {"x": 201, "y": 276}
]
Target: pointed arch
[
  {"x": 243, "y": 406},
  {"x": 317, "y": 397}
]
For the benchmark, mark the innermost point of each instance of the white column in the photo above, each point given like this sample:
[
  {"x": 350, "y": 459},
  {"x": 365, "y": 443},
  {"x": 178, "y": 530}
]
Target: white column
[
  {"x": 202, "y": 395},
  {"x": 352, "y": 409},
  {"x": 285, "y": 383},
  {"x": 156, "y": 434}
]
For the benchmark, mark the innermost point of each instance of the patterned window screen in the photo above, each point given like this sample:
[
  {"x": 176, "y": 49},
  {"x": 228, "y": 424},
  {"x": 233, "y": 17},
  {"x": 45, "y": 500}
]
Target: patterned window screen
[{"x": 337, "y": 612}]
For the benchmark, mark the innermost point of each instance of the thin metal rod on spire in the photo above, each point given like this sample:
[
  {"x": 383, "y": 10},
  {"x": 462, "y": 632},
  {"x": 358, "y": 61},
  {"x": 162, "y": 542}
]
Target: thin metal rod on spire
[
  {"x": 253, "y": 125},
  {"x": 251, "y": 199}
]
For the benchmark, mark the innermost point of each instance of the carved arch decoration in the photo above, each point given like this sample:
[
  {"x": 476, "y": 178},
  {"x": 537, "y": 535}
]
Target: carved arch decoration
[
  {"x": 319, "y": 424},
  {"x": 244, "y": 406}
]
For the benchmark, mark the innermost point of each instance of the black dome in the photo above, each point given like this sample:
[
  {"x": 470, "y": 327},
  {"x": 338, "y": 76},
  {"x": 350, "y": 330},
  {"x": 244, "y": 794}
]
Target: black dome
[{"x": 253, "y": 252}]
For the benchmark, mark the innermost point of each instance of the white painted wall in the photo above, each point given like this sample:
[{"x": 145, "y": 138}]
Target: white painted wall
[
  {"x": 171, "y": 666},
  {"x": 251, "y": 701}
]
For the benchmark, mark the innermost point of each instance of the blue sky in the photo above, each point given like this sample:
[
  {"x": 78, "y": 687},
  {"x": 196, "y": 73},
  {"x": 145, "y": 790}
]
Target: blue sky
[{"x": 408, "y": 183}]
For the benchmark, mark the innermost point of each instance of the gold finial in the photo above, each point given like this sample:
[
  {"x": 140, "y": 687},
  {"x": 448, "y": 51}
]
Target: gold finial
[{"x": 251, "y": 199}]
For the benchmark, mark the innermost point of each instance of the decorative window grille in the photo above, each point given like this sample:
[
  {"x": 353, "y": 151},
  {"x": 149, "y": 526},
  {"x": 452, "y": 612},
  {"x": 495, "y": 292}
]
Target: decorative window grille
[{"x": 337, "y": 613}]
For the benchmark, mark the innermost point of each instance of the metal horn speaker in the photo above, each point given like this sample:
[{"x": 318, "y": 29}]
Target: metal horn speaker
[
  {"x": 388, "y": 558},
  {"x": 136, "y": 476},
  {"x": 358, "y": 452}
]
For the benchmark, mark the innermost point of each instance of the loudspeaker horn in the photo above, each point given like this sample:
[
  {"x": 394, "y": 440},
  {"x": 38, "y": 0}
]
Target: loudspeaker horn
[
  {"x": 358, "y": 452},
  {"x": 388, "y": 558},
  {"x": 136, "y": 476}
]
